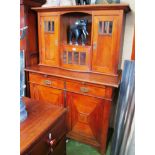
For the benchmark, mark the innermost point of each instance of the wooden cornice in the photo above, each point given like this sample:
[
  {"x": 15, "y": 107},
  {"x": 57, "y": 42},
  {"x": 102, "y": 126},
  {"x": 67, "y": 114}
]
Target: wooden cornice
[{"x": 121, "y": 6}]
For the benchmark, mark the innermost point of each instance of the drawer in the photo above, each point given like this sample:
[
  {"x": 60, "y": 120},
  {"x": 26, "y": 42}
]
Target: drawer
[
  {"x": 60, "y": 148},
  {"x": 83, "y": 88},
  {"x": 51, "y": 139},
  {"x": 46, "y": 80}
]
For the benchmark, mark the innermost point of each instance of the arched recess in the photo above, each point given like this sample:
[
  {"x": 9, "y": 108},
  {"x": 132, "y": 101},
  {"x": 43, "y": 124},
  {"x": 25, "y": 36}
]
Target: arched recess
[{"x": 69, "y": 18}]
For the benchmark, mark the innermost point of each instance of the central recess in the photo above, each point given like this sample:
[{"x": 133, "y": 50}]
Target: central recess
[{"x": 76, "y": 40}]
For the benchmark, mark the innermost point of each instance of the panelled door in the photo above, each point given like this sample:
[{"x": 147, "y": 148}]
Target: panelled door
[
  {"x": 105, "y": 44},
  {"x": 47, "y": 94},
  {"x": 49, "y": 38},
  {"x": 85, "y": 117}
]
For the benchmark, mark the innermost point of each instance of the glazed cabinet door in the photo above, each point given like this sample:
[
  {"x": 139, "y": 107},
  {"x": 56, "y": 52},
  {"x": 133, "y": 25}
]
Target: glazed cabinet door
[
  {"x": 76, "y": 58},
  {"x": 48, "y": 94},
  {"x": 49, "y": 39},
  {"x": 85, "y": 118},
  {"x": 106, "y": 42}
]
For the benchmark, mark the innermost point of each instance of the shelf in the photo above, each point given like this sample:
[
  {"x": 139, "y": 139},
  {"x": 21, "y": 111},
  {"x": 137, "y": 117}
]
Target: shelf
[{"x": 69, "y": 19}]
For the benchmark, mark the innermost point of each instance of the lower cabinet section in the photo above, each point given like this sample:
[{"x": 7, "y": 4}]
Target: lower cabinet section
[
  {"x": 48, "y": 94},
  {"x": 88, "y": 119},
  {"x": 88, "y": 108}
]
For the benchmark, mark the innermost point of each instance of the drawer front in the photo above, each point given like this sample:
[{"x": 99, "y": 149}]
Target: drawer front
[
  {"x": 60, "y": 148},
  {"x": 46, "y": 80},
  {"x": 49, "y": 142},
  {"x": 79, "y": 87}
]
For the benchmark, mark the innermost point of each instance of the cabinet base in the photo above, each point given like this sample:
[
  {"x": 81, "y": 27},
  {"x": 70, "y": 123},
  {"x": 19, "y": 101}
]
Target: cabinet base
[{"x": 82, "y": 139}]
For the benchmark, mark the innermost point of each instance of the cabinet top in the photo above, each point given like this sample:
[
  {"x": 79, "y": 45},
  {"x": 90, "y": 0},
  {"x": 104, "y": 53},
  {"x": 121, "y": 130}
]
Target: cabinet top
[
  {"x": 41, "y": 117},
  {"x": 96, "y": 7}
]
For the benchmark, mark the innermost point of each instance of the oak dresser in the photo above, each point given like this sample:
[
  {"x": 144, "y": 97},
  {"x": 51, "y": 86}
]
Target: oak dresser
[{"x": 82, "y": 78}]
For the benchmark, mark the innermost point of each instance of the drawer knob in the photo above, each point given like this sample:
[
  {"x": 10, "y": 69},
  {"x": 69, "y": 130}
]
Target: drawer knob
[
  {"x": 52, "y": 142},
  {"x": 84, "y": 90},
  {"x": 47, "y": 82}
]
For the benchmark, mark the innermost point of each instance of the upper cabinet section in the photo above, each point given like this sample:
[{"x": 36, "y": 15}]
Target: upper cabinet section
[{"x": 82, "y": 38}]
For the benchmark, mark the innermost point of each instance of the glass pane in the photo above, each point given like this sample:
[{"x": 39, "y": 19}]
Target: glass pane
[
  {"x": 83, "y": 58},
  {"x": 110, "y": 27},
  {"x": 101, "y": 27},
  {"x": 69, "y": 57},
  {"x": 45, "y": 26},
  {"x": 64, "y": 57},
  {"x": 105, "y": 27},
  {"x": 76, "y": 57},
  {"x": 49, "y": 26},
  {"x": 52, "y": 29}
]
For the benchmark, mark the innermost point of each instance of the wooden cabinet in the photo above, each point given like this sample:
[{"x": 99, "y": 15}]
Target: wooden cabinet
[
  {"x": 45, "y": 123},
  {"x": 49, "y": 39},
  {"x": 106, "y": 42},
  {"x": 82, "y": 78}
]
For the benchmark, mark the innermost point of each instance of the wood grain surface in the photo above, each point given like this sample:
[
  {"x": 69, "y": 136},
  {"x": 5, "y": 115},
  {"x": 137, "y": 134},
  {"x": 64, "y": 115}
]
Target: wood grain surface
[
  {"x": 122, "y": 6},
  {"x": 41, "y": 117},
  {"x": 101, "y": 79}
]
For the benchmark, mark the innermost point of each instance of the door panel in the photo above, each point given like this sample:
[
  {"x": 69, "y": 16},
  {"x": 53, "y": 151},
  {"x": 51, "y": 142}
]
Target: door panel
[
  {"x": 85, "y": 116},
  {"x": 47, "y": 94},
  {"x": 49, "y": 37},
  {"x": 105, "y": 44},
  {"x": 77, "y": 58}
]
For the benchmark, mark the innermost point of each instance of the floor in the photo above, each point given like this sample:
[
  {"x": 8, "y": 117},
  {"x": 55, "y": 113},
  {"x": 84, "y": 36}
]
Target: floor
[{"x": 76, "y": 148}]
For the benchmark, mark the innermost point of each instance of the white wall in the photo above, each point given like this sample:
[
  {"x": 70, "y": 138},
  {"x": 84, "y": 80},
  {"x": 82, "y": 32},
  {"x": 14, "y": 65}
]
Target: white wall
[{"x": 129, "y": 32}]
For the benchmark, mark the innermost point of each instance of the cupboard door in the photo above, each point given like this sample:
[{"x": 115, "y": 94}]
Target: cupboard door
[
  {"x": 105, "y": 44},
  {"x": 85, "y": 118},
  {"x": 77, "y": 58},
  {"x": 48, "y": 94},
  {"x": 49, "y": 38}
]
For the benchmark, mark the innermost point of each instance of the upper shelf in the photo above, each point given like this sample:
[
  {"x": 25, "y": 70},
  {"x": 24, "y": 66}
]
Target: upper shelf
[{"x": 121, "y": 6}]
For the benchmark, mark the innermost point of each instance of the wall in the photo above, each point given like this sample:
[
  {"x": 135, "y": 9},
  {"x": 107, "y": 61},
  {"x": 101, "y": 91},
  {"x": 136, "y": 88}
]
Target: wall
[{"x": 129, "y": 32}]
